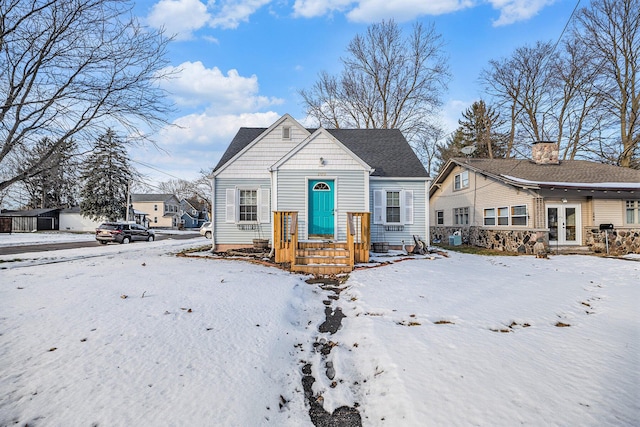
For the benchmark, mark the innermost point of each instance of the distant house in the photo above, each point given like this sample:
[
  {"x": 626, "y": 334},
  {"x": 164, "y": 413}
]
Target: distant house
[
  {"x": 33, "y": 219},
  {"x": 510, "y": 204},
  {"x": 194, "y": 213},
  {"x": 161, "y": 210},
  {"x": 314, "y": 185}
]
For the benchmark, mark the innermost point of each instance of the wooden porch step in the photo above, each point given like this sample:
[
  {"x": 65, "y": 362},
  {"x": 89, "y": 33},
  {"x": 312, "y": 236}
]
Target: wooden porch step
[
  {"x": 324, "y": 269},
  {"x": 322, "y": 257},
  {"x": 321, "y": 244}
]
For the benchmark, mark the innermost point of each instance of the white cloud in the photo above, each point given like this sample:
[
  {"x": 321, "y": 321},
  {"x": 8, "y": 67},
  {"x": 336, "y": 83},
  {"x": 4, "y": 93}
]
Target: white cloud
[
  {"x": 512, "y": 11},
  {"x": 195, "y": 142},
  {"x": 313, "y": 8},
  {"x": 451, "y": 112},
  {"x": 197, "y": 86},
  {"x": 403, "y": 10},
  {"x": 231, "y": 13},
  {"x": 376, "y": 10},
  {"x": 179, "y": 17}
]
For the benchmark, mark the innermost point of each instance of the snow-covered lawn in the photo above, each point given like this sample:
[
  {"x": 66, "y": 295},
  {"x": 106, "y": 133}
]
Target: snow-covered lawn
[{"x": 133, "y": 335}]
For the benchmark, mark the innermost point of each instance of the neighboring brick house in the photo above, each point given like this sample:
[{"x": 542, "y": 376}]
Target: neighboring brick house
[
  {"x": 162, "y": 210},
  {"x": 510, "y": 204}
]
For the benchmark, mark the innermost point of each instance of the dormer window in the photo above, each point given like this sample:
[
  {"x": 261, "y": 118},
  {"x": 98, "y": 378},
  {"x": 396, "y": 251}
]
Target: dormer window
[{"x": 286, "y": 132}]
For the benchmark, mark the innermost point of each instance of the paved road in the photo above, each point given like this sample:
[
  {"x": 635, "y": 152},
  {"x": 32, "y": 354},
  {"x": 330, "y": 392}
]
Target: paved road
[{"x": 19, "y": 249}]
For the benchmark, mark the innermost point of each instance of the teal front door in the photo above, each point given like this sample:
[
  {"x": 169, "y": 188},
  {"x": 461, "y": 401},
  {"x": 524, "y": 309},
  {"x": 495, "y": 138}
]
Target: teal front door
[{"x": 321, "y": 205}]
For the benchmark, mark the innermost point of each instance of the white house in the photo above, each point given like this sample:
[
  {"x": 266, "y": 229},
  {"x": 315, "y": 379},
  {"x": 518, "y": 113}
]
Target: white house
[{"x": 322, "y": 175}]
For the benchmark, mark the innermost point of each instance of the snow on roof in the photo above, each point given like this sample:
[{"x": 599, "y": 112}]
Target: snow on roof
[{"x": 612, "y": 185}]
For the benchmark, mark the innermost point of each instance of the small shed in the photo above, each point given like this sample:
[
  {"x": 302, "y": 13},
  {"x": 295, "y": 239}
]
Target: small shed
[{"x": 33, "y": 220}]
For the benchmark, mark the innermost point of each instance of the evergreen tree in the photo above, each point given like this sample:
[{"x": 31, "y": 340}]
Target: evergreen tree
[
  {"x": 106, "y": 175},
  {"x": 480, "y": 128},
  {"x": 55, "y": 185},
  {"x": 455, "y": 142}
]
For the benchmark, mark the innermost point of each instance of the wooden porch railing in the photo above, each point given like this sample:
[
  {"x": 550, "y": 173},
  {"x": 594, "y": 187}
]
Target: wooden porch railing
[
  {"x": 358, "y": 236},
  {"x": 285, "y": 236}
]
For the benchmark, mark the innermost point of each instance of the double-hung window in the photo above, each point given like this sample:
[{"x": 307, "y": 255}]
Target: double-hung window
[
  {"x": 503, "y": 216},
  {"x": 461, "y": 216},
  {"x": 439, "y": 217},
  {"x": 519, "y": 215},
  {"x": 461, "y": 180},
  {"x": 247, "y": 205},
  {"x": 633, "y": 211},
  {"x": 393, "y": 207},
  {"x": 490, "y": 216}
]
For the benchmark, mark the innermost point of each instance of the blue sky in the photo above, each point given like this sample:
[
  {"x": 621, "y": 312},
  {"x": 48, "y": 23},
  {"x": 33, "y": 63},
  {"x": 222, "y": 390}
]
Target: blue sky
[{"x": 241, "y": 63}]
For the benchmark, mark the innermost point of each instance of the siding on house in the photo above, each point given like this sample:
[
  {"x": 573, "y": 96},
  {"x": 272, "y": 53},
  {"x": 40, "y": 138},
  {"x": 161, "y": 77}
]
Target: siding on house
[
  {"x": 226, "y": 232},
  {"x": 609, "y": 212},
  {"x": 419, "y": 225},
  {"x": 333, "y": 156},
  {"x": 256, "y": 161},
  {"x": 482, "y": 193},
  {"x": 159, "y": 214},
  {"x": 293, "y": 195}
]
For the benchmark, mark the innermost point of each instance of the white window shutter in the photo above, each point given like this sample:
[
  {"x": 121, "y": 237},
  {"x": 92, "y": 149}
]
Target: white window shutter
[
  {"x": 264, "y": 206},
  {"x": 378, "y": 206},
  {"x": 230, "y": 205},
  {"x": 407, "y": 206}
]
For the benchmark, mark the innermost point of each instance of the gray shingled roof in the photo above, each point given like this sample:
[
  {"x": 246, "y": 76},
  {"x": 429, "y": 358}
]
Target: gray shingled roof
[
  {"x": 150, "y": 197},
  {"x": 568, "y": 173},
  {"x": 385, "y": 150}
]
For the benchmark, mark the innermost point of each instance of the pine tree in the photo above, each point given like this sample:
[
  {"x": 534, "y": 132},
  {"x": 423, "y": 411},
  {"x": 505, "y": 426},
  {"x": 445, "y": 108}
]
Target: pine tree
[
  {"x": 55, "y": 185},
  {"x": 106, "y": 175},
  {"x": 480, "y": 128}
]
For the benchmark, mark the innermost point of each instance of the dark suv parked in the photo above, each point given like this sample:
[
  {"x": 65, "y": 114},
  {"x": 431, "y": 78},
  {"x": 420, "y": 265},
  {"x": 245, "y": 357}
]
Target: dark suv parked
[{"x": 122, "y": 232}]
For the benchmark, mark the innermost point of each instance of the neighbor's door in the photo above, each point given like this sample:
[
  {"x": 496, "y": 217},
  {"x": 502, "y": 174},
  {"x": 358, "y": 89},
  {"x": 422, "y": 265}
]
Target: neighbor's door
[
  {"x": 321, "y": 208},
  {"x": 564, "y": 224}
]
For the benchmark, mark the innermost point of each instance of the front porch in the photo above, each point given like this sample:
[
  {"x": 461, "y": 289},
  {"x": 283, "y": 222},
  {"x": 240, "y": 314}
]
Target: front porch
[{"x": 321, "y": 257}]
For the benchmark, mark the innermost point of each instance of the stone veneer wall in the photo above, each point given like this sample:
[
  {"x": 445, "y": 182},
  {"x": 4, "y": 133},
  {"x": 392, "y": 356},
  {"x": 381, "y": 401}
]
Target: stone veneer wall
[
  {"x": 622, "y": 241},
  {"x": 507, "y": 240}
]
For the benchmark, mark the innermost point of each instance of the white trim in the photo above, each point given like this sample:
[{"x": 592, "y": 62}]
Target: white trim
[
  {"x": 258, "y": 138},
  {"x": 562, "y": 229},
  {"x": 308, "y": 139},
  {"x": 213, "y": 213},
  {"x": 335, "y": 201}
]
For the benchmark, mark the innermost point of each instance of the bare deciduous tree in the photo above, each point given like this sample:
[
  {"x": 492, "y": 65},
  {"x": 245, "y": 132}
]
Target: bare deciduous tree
[
  {"x": 70, "y": 69},
  {"x": 610, "y": 30},
  {"x": 388, "y": 81}
]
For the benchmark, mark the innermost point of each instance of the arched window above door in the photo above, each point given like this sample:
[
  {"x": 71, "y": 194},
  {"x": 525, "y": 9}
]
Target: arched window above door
[{"x": 321, "y": 186}]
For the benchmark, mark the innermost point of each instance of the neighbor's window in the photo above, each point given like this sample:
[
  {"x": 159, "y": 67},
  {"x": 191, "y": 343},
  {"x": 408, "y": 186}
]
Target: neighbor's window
[
  {"x": 519, "y": 215},
  {"x": 248, "y": 205},
  {"x": 393, "y": 206},
  {"x": 633, "y": 211},
  {"x": 503, "y": 216},
  {"x": 461, "y": 180},
  {"x": 440, "y": 217},
  {"x": 286, "y": 132},
  {"x": 461, "y": 216},
  {"x": 490, "y": 216}
]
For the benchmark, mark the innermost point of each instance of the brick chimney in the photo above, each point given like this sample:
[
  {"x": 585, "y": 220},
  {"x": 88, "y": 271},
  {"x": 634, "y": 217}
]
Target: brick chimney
[{"x": 545, "y": 153}]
